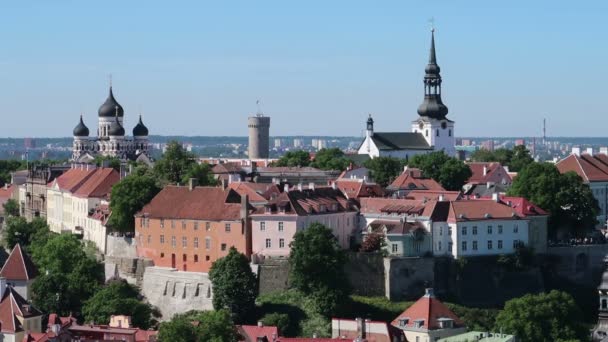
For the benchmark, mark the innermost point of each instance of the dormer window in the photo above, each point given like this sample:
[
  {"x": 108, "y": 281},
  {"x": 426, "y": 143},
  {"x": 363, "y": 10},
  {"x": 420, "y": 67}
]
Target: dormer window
[
  {"x": 446, "y": 323},
  {"x": 403, "y": 322},
  {"x": 418, "y": 323},
  {"x": 268, "y": 210}
]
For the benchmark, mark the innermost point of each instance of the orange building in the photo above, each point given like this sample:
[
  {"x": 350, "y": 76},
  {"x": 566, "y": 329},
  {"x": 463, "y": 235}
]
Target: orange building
[{"x": 189, "y": 227}]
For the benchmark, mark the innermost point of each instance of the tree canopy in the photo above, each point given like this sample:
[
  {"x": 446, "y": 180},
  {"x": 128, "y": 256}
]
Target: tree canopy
[
  {"x": 384, "y": 170},
  {"x": 546, "y": 317},
  {"x": 234, "y": 285},
  {"x": 516, "y": 159},
  {"x": 196, "y": 326},
  {"x": 18, "y": 231},
  {"x": 8, "y": 166},
  {"x": 118, "y": 297},
  {"x": 294, "y": 159},
  {"x": 11, "y": 207},
  {"x": 569, "y": 201},
  {"x": 316, "y": 267},
  {"x": 450, "y": 172},
  {"x": 68, "y": 277},
  {"x": 128, "y": 197},
  {"x": 330, "y": 159},
  {"x": 177, "y": 165}
]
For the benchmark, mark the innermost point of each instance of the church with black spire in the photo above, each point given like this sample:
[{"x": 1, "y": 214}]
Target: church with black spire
[
  {"x": 111, "y": 140},
  {"x": 431, "y": 131}
]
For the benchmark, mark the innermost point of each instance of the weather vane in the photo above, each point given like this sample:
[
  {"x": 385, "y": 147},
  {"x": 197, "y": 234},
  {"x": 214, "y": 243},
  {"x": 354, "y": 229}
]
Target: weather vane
[
  {"x": 432, "y": 22},
  {"x": 259, "y": 105}
]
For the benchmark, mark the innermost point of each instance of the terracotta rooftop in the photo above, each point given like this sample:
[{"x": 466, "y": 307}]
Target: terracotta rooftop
[
  {"x": 200, "y": 203},
  {"x": 12, "y": 305},
  {"x": 425, "y": 195},
  {"x": 98, "y": 184},
  {"x": 18, "y": 266},
  {"x": 589, "y": 168},
  {"x": 227, "y": 168},
  {"x": 72, "y": 179},
  {"x": 412, "y": 179},
  {"x": 395, "y": 227},
  {"x": 358, "y": 188},
  {"x": 251, "y": 333},
  {"x": 494, "y": 172},
  {"x": 257, "y": 192},
  {"x": 523, "y": 207},
  {"x": 391, "y": 205},
  {"x": 320, "y": 200},
  {"x": 473, "y": 210},
  {"x": 428, "y": 310}
]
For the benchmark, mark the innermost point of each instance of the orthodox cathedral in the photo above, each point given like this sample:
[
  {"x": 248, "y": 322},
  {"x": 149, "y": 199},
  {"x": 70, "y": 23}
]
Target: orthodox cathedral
[
  {"x": 110, "y": 140},
  {"x": 432, "y": 131}
]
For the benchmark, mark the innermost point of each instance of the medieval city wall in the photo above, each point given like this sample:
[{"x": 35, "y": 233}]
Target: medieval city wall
[
  {"x": 580, "y": 264},
  {"x": 119, "y": 246},
  {"x": 406, "y": 278}
]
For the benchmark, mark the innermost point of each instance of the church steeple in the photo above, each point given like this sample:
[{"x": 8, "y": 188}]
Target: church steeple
[{"x": 432, "y": 107}]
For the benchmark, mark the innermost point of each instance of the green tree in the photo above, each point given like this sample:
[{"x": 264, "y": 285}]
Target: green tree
[
  {"x": 175, "y": 163},
  {"x": 276, "y": 319},
  {"x": 569, "y": 201},
  {"x": 68, "y": 277},
  {"x": 106, "y": 161},
  {"x": 546, "y": 317},
  {"x": 234, "y": 285},
  {"x": 200, "y": 172},
  {"x": 520, "y": 159},
  {"x": 11, "y": 208},
  {"x": 207, "y": 326},
  {"x": 8, "y": 166},
  {"x": 19, "y": 231},
  {"x": 128, "y": 197},
  {"x": 118, "y": 297},
  {"x": 450, "y": 172},
  {"x": 316, "y": 267},
  {"x": 330, "y": 159},
  {"x": 501, "y": 155},
  {"x": 384, "y": 169},
  {"x": 294, "y": 158}
]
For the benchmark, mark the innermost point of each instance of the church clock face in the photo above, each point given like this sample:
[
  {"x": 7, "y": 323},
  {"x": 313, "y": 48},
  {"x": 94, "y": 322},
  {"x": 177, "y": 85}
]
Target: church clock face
[{"x": 444, "y": 125}]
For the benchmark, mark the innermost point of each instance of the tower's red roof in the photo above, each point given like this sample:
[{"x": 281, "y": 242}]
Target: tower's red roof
[
  {"x": 430, "y": 310},
  {"x": 18, "y": 266}
]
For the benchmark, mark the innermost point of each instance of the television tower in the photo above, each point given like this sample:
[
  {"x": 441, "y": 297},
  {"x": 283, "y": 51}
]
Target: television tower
[{"x": 544, "y": 131}]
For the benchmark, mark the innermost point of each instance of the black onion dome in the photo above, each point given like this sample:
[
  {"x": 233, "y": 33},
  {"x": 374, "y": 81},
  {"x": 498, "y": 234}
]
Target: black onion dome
[
  {"x": 140, "y": 129},
  {"x": 432, "y": 107},
  {"x": 116, "y": 129},
  {"x": 81, "y": 130},
  {"x": 111, "y": 107}
]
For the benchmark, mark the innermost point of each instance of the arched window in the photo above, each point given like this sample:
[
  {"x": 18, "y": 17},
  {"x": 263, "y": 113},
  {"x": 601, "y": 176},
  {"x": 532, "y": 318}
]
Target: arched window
[
  {"x": 436, "y": 132},
  {"x": 449, "y": 133},
  {"x": 426, "y": 133}
]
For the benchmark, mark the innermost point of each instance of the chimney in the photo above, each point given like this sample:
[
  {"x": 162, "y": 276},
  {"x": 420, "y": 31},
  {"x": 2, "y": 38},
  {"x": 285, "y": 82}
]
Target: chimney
[
  {"x": 360, "y": 327},
  {"x": 604, "y": 150},
  {"x": 2, "y": 286},
  {"x": 495, "y": 197},
  {"x": 334, "y": 185},
  {"x": 576, "y": 151},
  {"x": 590, "y": 151},
  {"x": 286, "y": 187},
  {"x": 244, "y": 207},
  {"x": 192, "y": 183},
  {"x": 299, "y": 186},
  {"x": 224, "y": 184},
  {"x": 311, "y": 186},
  {"x": 441, "y": 198},
  {"x": 485, "y": 170},
  {"x": 260, "y": 324},
  {"x": 428, "y": 292}
]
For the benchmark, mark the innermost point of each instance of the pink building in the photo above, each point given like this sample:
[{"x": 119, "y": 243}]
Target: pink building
[{"x": 274, "y": 226}]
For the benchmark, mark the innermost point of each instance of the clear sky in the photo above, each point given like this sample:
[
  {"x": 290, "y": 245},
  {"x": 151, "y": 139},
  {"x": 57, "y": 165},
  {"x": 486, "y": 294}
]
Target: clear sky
[{"x": 318, "y": 67}]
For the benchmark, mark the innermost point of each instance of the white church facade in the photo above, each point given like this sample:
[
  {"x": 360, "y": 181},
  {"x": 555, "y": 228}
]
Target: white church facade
[{"x": 432, "y": 131}]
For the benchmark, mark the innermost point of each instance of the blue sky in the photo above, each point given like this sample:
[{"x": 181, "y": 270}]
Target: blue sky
[{"x": 198, "y": 67}]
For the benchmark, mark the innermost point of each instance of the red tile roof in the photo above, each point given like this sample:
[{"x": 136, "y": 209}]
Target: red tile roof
[
  {"x": 395, "y": 227},
  {"x": 37, "y": 337},
  {"x": 494, "y": 172},
  {"x": 391, "y": 205},
  {"x": 72, "y": 179},
  {"x": 200, "y": 203},
  {"x": 426, "y": 195},
  {"x": 411, "y": 179},
  {"x": 98, "y": 184},
  {"x": 101, "y": 213},
  {"x": 18, "y": 266},
  {"x": 257, "y": 192},
  {"x": 252, "y": 332},
  {"x": 429, "y": 309},
  {"x": 359, "y": 188},
  {"x": 590, "y": 168},
  {"x": 225, "y": 168},
  {"x": 13, "y": 305},
  {"x": 320, "y": 200},
  {"x": 6, "y": 192},
  {"x": 523, "y": 207},
  {"x": 485, "y": 209}
]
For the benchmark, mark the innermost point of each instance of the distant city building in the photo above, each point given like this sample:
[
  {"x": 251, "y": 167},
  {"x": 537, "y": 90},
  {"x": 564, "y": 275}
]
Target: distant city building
[
  {"x": 520, "y": 142},
  {"x": 466, "y": 142},
  {"x": 432, "y": 131},
  {"x": 259, "y": 136},
  {"x": 278, "y": 143},
  {"x": 297, "y": 143},
  {"x": 111, "y": 140},
  {"x": 29, "y": 143},
  {"x": 488, "y": 145}
]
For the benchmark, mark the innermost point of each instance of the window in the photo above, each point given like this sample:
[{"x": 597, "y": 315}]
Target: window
[
  {"x": 394, "y": 248},
  {"x": 184, "y": 258},
  {"x": 489, "y": 244},
  {"x": 195, "y": 225},
  {"x": 173, "y": 241},
  {"x": 450, "y": 245},
  {"x": 499, "y": 244},
  {"x": 403, "y": 322},
  {"x": 223, "y": 247},
  {"x": 227, "y": 227},
  {"x": 184, "y": 242},
  {"x": 474, "y": 230},
  {"x": 440, "y": 230},
  {"x": 183, "y": 224},
  {"x": 172, "y": 224},
  {"x": 439, "y": 245},
  {"x": 489, "y": 229},
  {"x": 207, "y": 226},
  {"x": 195, "y": 242},
  {"x": 464, "y": 245},
  {"x": 474, "y": 245},
  {"x": 162, "y": 255},
  {"x": 162, "y": 239},
  {"x": 436, "y": 132},
  {"x": 280, "y": 226},
  {"x": 516, "y": 228},
  {"x": 515, "y": 243},
  {"x": 499, "y": 229},
  {"x": 464, "y": 230},
  {"x": 207, "y": 258},
  {"x": 195, "y": 257},
  {"x": 162, "y": 223},
  {"x": 207, "y": 243},
  {"x": 426, "y": 133},
  {"x": 262, "y": 226},
  {"x": 449, "y": 133},
  {"x": 268, "y": 243},
  {"x": 450, "y": 231},
  {"x": 281, "y": 243}
]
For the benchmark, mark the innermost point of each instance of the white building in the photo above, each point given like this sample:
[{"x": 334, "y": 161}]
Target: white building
[{"x": 432, "y": 131}]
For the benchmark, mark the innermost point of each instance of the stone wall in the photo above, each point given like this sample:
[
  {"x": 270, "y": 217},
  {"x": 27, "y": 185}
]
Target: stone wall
[
  {"x": 365, "y": 273},
  {"x": 130, "y": 269},
  {"x": 406, "y": 278},
  {"x": 273, "y": 275},
  {"x": 173, "y": 291},
  {"x": 579, "y": 264},
  {"x": 119, "y": 246}
]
